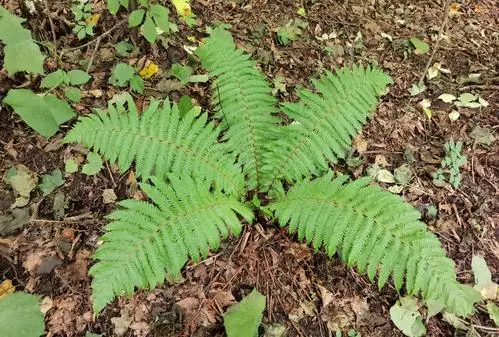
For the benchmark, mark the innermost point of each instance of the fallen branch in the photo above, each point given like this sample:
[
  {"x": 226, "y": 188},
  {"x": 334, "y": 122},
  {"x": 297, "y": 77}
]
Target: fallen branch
[
  {"x": 439, "y": 37},
  {"x": 480, "y": 87}
]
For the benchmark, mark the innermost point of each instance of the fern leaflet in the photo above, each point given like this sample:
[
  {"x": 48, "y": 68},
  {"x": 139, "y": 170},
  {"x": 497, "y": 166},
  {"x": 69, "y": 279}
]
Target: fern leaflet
[
  {"x": 378, "y": 232},
  {"x": 159, "y": 141},
  {"x": 185, "y": 221},
  {"x": 323, "y": 125},
  {"x": 243, "y": 97}
]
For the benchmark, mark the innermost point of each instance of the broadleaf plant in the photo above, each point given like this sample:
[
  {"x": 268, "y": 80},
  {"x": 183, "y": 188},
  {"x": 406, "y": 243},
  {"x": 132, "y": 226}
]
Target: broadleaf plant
[
  {"x": 204, "y": 176},
  {"x": 44, "y": 113},
  {"x": 21, "y": 52},
  {"x": 243, "y": 319}
]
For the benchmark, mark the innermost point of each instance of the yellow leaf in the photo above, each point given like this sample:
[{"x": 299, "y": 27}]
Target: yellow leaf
[
  {"x": 182, "y": 6},
  {"x": 93, "y": 19},
  {"x": 6, "y": 288},
  {"x": 454, "y": 7},
  {"x": 191, "y": 39},
  {"x": 149, "y": 70}
]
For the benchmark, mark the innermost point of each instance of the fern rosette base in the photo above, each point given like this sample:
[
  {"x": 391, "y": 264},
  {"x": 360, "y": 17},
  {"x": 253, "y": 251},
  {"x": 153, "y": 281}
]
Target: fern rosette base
[{"x": 201, "y": 171}]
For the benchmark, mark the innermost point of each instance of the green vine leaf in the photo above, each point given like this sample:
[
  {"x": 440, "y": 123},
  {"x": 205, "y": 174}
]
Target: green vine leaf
[
  {"x": 73, "y": 94},
  {"x": 71, "y": 166},
  {"x": 243, "y": 318},
  {"x": 51, "y": 181},
  {"x": 78, "y": 77},
  {"x": 21, "y": 52},
  {"x": 160, "y": 16},
  {"x": 42, "y": 113},
  {"x": 137, "y": 84},
  {"x": 406, "y": 317},
  {"x": 493, "y": 312},
  {"x": 149, "y": 29},
  {"x": 420, "y": 47},
  {"x": 122, "y": 74},
  {"x": 22, "y": 312},
  {"x": 135, "y": 18},
  {"x": 94, "y": 164},
  {"x": 54, "y": 79},
  {"x": 181, "y": 72}
]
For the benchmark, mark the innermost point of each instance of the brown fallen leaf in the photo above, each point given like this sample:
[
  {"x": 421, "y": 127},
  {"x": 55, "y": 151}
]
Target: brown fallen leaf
[
  {"x": 326, "y": 296},
  {"x": 46, "y": 304},
  {"x": 48, "y": 264},
  {"x": 33, "y": 260},
  {"x": 121, "y": 323}
]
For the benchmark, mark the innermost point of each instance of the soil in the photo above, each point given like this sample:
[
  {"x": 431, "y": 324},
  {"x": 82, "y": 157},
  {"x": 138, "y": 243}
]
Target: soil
[{"x": 309, "y": 294}]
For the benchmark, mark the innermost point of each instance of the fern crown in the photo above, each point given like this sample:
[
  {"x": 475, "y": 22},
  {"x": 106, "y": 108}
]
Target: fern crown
[{"x": 196, "y": 173}]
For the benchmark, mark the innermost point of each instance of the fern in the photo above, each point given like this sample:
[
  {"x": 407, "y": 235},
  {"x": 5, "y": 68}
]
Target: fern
[
  {"x": 376, "y": 231},
  {"x": 159, "y": 141},
  {"x": 370, "y": 228},
  {"x": 323, "y": 125},
  {"x": 243, "y": 99},
  {"x": 185, "y": 221}
]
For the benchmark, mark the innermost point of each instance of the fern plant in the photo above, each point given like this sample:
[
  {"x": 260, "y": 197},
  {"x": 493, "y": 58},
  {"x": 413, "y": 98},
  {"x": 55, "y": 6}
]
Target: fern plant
[{"x": 203, "y": 173}]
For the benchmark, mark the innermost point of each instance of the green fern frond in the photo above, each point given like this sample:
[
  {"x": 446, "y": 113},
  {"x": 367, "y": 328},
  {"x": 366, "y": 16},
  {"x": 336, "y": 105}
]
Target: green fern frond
[
  {"x": 159, "y": 141},
  {"x": 378, "y": 232},
  {"x": 324, "y": 124},
  {"x": 145, "y": 239},
  {"x": 243, "y": 99}
]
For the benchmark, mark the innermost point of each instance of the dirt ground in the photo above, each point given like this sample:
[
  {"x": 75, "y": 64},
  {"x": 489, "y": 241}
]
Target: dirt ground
[{"x": 307, "y": 293}]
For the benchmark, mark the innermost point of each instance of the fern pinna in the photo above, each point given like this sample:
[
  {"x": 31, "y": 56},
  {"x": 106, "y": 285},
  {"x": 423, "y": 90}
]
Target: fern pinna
[{"x": 201, "y": 171}]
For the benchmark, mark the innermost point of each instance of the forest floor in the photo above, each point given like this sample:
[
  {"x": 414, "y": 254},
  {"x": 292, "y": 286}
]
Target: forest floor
[{"x": 308, "y": 294}]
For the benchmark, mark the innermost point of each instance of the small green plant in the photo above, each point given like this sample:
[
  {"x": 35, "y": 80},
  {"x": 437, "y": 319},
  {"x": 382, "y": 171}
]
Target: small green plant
[
  {"x": 451, "y": 165},
  {"x": 44, "y": 113},
  {"x": 85, "y": 20},
  {"x": 184, "y": 74},
  {"x": 67, "y": 80},
  {"x": 152, "y": 19},
  {"x": 205, "y": 178},
  {"x": 124, "y": 75},
  {"x": 291, "y": 31},
  {"x": 123, "y": 48}
]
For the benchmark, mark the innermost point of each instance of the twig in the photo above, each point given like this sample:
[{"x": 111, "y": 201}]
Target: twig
[
  {"x": 435, "y": 47},
  {"x": 480, "y": 86},
  {"x": 107, "y": 32},
  {"x": 52, "y": 27},
  {"x": 485, "y": 328},
  {"x": 97, "y": 43},
  {"x": 75, "y": 218}
]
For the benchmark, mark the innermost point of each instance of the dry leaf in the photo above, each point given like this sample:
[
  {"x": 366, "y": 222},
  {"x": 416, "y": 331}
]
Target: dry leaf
[
  {"x": 381, "y": 160},
  {"x": 326, "y": 296},
  {"x": 46, "y": 304},
  {"x": 360, "y": 144},
  {"x": 93, "y": 19},
  {"x": 121, "y": 323},
  {"x": 149, "y": 70},
  {"x": 108, "y": 196},
  {"x": 182, "y": 6},
  {"x": 33, "y": 260},
  {"x": 6, "y": 288}
]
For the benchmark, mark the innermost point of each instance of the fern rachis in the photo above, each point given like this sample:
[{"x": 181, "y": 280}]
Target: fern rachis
[{"x": 198, "y": 185}]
